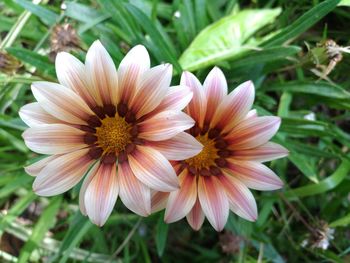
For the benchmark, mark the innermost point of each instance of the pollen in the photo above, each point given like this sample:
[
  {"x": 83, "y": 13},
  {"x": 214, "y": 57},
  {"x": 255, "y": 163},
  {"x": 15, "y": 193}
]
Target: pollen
[
  {"x": 207, "y": 156},
  {"x": 114, "y": 134}
]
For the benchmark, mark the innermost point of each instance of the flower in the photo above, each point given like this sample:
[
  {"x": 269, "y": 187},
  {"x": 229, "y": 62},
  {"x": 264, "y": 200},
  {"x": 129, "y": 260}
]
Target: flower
[
  {"x": 105, "y": 123},
  {"x": 235, "y": 143}
]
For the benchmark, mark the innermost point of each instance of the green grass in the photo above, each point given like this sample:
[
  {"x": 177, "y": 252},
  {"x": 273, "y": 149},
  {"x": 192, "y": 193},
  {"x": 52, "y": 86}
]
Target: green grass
[{"x": 192, "y": 35}]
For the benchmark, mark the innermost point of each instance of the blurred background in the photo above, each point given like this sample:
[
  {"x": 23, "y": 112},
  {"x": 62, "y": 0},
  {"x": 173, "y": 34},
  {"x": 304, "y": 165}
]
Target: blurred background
[{"x": 295, "y": 53}]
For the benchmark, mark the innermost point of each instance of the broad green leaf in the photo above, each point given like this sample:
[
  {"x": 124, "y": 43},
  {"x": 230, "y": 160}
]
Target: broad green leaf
[
  {"x": 46, "y": 221},
  {"x": 47, "y": 16},
  {"x": 304, "y": 165},
  {"x": 303, "y": 23},
  {"x": 323, "y": 186},
  {"x": 226, "y": 38},
  {"x": 320, "y": 89},
  {"x": 161, "y": 235}
]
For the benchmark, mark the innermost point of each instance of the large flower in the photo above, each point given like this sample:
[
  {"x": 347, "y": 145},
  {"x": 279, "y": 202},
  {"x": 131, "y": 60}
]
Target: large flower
[
  {"x": 235, "y": 143},
  {"x": 104, "y": 123}
]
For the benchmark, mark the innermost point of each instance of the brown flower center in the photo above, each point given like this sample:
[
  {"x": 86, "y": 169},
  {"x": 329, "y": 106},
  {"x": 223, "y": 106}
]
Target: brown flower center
[
  {"x": 114, "y": 134},
  {"x": 207, "y": 156},
  {"x": 213, "y": 156}
]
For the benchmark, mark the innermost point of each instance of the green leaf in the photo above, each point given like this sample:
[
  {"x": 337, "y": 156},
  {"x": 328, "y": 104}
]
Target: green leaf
[
  {"x": 161, "y": 235},
  {"x": 303, "y": 23},
  {"x": 226, "y": 38},
  {"x": 79, "y": 227},
  {"x": 46, "y": 221},
  {"x": 320, "y": 89},
  {"x": 265, "y": 55},
  {"x": 341, "y": 222},
  {"x": 16, "y": 210},
  {"x": 47, "y": 16},
  {"x": 323, "y": 186},
  {"x": 42, "y": 63},
  {"x": 157, "y": 37}
]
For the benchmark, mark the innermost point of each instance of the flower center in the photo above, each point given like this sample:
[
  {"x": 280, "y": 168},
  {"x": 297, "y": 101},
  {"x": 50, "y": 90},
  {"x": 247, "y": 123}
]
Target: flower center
[
  {"x": 207, "y": 156},
  {"x": 114, "y": 134}
]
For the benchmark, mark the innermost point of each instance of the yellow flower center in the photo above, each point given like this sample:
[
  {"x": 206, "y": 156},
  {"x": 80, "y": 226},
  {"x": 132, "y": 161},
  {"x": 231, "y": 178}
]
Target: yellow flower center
[
  {"x": 114, "y": 134},
  {"x": 207, "y": 156}
]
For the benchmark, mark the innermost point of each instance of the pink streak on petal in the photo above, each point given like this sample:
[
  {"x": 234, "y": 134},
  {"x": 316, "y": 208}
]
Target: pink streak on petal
[
  {"x": 180, "y": 147},
  {"x": 263, "y": 153},
  {"x": 196, "y": 216},
  {"x": 254, "y": 175},
  {"x": 164, "y": 125},
  {"x": 101, "y": 194},
  {"x": 181, "y": 201},
  {"x": 35, "y": 168},
  {"x": 213, "y": 201},
  {"x": 61, "y": 174},
  {"x": 34, "y": 115},
  {"x": 158, "y": 201},
  {"x": 240, "y": 198},
  {"x": 88, "y": 178},
  {"x": 198, "y": 105},
  {"x": 135, "y": 195},
  {"x": 53, "y": 139},
  {"x": 234, "y": 107},
  {"x": 252, "y": 133},
  {"x": 61, "y": 102},
  {"x": 152, "y": 88},
  {"x": 72, "y": 74},
  {"x": 134, "y": 64},
  {"x": 153, "y": 169},
  {"x": 176, "y": 99},
  {"x": 102, "y": 74},
  {"x": 215, "y": 87}
]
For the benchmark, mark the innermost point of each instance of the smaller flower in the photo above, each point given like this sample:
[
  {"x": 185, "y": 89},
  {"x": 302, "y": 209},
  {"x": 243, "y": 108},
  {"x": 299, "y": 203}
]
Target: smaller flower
[
  {"x": 235, "y": 143},
  {"x": 8, "y": 64}
]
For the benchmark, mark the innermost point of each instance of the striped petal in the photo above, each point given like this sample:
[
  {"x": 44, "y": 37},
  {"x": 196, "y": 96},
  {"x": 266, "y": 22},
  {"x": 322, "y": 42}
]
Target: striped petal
[
  {"x": 153, "y": 169},
  {"x": 234, "y": 107},
  {"x": 198, "y": 105},
  {"x": 240, "y": 198},
  {"x": 254, "y": 175},
  {"x": 88, "y": 178},
  {"x": 35, "y": 168},
  {"x": 61, "y": 102},
  {"x": 215, "y": 87},
  {"x": 252, "y": 133},
  {"x": 102, "y": 75},
  {"x": 134, "y": 64},
  {"x": 135, "y": 195},
  {"x": 152, "y": 88},
  {"x": 213, "y": 201},
  {"x": 158, "y": 201},
  {"x": 196, "y": 216},
  {"x": 72, "y": 74},
  {"x": 181, "y": 201},
  {"x": 53, "y": 139},
  {"x": 164, "y": 125},
  {"x": 61, "y": 174},
  {"x": 263, "y": 153},
  {"x": 180, "y": 147},
  {"x": 101, "y": 194},
  {"x": 33, "y": 115},
  {"x": 176, "y": 99}
]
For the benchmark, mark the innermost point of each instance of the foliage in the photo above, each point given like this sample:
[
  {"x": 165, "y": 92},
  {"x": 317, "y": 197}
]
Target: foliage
[{"x": 257, "y": 40}]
